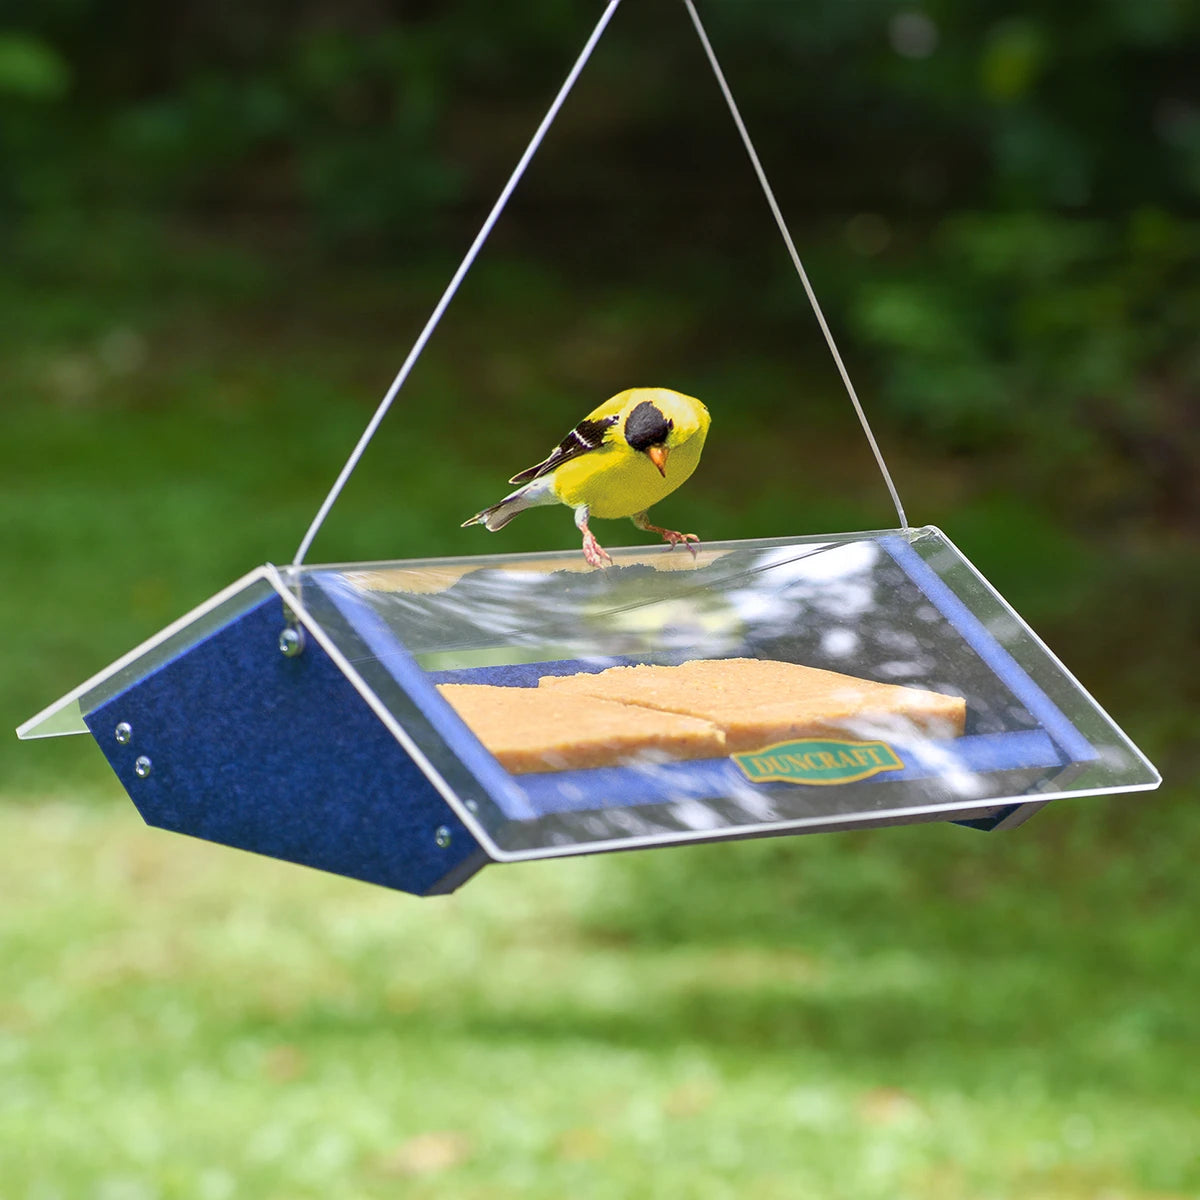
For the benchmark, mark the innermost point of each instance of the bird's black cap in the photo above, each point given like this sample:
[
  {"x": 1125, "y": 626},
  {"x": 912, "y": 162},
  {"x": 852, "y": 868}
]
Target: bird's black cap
[{"x": 646, "y": 426}]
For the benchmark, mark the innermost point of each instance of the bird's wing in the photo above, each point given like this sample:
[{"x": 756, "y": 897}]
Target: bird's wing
[{"x": 587, "y": 436}]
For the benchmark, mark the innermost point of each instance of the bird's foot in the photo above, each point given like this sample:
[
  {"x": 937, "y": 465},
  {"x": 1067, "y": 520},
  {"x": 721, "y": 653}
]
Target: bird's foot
[
  {"x": 690, "y": 540},
  {"x": 595, "y": 553}
]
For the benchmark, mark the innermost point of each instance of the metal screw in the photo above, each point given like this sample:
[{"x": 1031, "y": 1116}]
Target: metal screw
[
  {"x": 442, "y": 836},
  {"x": 123, "y": 733},
  {"x": 291, "y": 641},
  {"x": 142, "y": 766}
]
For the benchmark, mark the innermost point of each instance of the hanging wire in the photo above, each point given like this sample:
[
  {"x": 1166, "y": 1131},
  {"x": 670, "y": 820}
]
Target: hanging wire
[
  {"x": 448, "y": 295},
  {"x": 469, "y": 260},
  {"x": 791, "y": 246}
]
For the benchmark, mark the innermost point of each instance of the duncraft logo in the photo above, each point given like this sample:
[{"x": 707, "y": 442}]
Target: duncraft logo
[{"x": 818, "y": 761}]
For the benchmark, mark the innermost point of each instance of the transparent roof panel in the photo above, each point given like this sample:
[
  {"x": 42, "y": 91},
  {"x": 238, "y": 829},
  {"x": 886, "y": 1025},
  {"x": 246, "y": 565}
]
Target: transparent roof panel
[
  {"x": 755, "y": 687},
  {"x": 65, "y": 715},
  {"x": 988, "y": 717}
]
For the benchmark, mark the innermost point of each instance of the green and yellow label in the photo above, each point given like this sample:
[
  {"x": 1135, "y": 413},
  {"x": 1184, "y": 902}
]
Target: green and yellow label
[{"x": 819, "y": 761}]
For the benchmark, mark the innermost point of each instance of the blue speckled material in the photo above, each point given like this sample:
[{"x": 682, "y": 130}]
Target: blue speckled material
[{"x": 283, "y": 757}]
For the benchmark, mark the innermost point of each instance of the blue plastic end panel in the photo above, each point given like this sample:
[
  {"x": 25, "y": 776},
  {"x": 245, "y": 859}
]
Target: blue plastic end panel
[
  {"x": 283, "y": 757},
  {"x": 987, "y": 824}
]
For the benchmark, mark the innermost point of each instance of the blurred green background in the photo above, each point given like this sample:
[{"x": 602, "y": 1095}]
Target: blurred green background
[{"x": 223, "y": 224}]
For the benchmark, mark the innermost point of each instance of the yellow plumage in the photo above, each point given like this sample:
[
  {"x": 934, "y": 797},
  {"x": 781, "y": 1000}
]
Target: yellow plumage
[
  {"x": 618, "y": 481},
  {"x": 623, "y": 457}
]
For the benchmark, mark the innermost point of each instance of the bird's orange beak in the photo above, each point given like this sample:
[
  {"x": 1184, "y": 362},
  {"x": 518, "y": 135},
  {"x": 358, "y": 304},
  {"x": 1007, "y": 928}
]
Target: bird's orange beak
[{"x": 658, "y": 456}]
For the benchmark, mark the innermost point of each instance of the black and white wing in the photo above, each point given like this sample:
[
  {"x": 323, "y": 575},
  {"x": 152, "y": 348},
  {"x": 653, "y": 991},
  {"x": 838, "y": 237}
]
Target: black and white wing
[{"x": 588, "y": 435}]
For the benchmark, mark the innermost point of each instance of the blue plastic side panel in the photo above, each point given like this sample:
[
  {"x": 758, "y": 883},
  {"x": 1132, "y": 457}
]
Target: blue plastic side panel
[
  {"x": 283, "y": 757},
  {"x": 987, "y": 824}
]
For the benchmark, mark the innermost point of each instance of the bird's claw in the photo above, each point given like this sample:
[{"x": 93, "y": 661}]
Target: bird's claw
[
  {"x": 690, "y": 540},
  {"x": 595, "y": 554}
]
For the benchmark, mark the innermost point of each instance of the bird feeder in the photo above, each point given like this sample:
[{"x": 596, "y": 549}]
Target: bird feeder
[{"x": 299, "y": 712}]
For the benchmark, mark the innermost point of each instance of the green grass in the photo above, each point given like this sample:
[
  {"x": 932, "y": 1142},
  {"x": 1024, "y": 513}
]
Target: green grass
[
  {"x": 863, "y": 1016},
  {"x": 924, "y": 1012}
]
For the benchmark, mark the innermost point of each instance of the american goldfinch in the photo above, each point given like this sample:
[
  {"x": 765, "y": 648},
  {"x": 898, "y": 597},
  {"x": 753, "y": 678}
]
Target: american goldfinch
[{"x": 619, "y": 460}]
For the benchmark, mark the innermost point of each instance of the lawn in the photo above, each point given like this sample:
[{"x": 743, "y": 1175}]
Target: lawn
[
  {"x": 924, "y": 1012},
  {"x": 920, "y": 1013}
]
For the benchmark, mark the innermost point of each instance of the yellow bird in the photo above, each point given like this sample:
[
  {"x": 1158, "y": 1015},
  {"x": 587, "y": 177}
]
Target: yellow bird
[{"x": 619, "y": 460}]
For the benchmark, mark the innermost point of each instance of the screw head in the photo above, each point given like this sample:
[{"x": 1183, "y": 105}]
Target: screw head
[
  {"x": 442, "y": 836},
  {"x": 291, "y": 641},
  {"x": 142, "y": 766},
  {"x": 123, "y": 733}
]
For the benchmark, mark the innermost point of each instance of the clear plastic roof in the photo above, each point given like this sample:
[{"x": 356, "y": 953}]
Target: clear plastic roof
[{"x": 905, "y": 610}]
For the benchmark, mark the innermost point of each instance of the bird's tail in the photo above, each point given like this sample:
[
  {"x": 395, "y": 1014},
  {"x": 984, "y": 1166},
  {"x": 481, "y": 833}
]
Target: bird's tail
[{"x": 500, "y": 514}]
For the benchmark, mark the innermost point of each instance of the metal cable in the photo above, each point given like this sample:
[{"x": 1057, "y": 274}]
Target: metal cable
[
  {"x": 791, "y": 246},
  {"x": 448, "y": 295}
]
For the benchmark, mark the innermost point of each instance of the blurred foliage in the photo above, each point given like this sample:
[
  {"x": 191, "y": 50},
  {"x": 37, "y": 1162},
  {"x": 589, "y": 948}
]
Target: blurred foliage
[
  {"x": 1017, "y": 179},
  {"x": 30, "y": 68},
  {"x": 1073, "y": 340},
  {"x": 357, "y": 113}
]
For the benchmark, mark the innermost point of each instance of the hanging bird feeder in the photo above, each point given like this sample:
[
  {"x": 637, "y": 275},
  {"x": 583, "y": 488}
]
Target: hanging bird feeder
[{"x": 406, "y": 723}]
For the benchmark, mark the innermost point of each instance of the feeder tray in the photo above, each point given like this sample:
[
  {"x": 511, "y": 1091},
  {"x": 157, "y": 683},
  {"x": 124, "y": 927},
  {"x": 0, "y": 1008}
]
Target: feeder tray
[{"x": 297, "y": 713}]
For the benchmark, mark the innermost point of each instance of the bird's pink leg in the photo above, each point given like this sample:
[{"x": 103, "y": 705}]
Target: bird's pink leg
[
  {"x": 595, "y": 554},
  {"x": 642, "y": 521}
]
